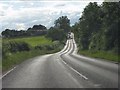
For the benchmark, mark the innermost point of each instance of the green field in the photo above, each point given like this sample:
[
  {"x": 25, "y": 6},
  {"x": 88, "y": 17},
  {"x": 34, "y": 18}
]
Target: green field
[
  {"x": 44, "y": 46},
  {"x": 33, "y": 41},
  {"x": 101, "y": 54}
]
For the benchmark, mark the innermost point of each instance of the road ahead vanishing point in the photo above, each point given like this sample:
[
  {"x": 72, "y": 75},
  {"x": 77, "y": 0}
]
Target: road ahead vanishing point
[{"x": 65, "y": 69}]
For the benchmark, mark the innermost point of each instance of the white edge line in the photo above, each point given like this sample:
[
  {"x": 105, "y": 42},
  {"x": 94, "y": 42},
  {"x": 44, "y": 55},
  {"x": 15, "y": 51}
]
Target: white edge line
[
  {"x": 7, "y": 73},
  {"x": 75, "y": 71}
]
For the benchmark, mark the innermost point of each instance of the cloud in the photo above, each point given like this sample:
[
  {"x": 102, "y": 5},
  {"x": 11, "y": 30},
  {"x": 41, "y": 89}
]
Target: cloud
[
  {"x": 20, "y": 26},
  {"x": 25, "y": 14},
  {"x": 60, "y": 5}
]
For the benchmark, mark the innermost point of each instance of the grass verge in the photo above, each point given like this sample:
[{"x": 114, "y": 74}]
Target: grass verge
[
  {"x": 101, "y": 54},
  {"x": 16, "y": 58},
  {"x": 38, "y": 46}
]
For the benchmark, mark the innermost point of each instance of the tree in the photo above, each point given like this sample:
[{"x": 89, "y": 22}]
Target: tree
[
  {"x": 111, "y": 19},
  {"x": 6, "y": 33},
  {"x": 13, "y": 33},
  {"x": 39, "y": 27},
  {"x": 63, "y": 23},
  {"x": 90, "y": 22},
  {"x": 98, "y": 27},
  {"x": 56, "y": 34}
]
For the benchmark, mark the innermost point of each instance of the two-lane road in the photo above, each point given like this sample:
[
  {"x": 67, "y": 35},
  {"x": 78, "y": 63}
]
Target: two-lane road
[{"x": 64, "y": 69}]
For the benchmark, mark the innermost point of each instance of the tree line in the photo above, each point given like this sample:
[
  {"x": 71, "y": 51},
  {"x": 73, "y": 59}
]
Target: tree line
[
  {"x": 34, "y": 31},
  {"x": 98, "y": 27},
  {"x": 57, "y": 32},
  {"x": 60, "y": 29}
]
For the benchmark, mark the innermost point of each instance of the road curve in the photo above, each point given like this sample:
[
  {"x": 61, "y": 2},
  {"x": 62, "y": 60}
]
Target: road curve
[{"x": 65, "y": 69}]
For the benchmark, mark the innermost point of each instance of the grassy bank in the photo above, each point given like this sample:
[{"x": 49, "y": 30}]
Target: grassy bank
[
  {"x": 15, "y": 58},
  {"x": 101, "y": 54},
  {"x": 37, "y": 46}
]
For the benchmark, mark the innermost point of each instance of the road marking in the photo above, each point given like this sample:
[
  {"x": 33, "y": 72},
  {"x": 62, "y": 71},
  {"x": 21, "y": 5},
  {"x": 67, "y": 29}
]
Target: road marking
[
  {"x": 83, "y": 76},
  {"x": 7, "y": 73},
  {"x": 97, "y": 85}
]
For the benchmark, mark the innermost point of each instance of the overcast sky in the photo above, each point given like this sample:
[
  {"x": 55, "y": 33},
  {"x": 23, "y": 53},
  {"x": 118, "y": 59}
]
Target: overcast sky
[{"x": 23, "y": 14}]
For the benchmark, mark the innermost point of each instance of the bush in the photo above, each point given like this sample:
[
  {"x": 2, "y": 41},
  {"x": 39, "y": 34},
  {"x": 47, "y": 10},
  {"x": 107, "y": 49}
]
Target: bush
[
  {"x": 14, "y": 46},
  {"x": 45, "y": 47},
  {"x": 56, "y": 34},
  {"x": 40, "y": 47},
  {"x": 50, "y": 47}
]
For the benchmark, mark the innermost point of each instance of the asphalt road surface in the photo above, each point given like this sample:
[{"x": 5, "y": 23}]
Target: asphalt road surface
[{"x": 65, "y": 69}]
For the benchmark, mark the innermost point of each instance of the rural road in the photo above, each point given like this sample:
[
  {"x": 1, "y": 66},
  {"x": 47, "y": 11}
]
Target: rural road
[{"x": 65, "y": 69}]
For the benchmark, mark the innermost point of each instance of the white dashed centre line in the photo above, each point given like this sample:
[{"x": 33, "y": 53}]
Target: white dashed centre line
[{"x": 83, "y": 76}]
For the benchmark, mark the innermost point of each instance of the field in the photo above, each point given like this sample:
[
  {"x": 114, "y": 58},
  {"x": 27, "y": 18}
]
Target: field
[
  {"x": 33, "y": 41},
  {"x": 16, "y": 50}
]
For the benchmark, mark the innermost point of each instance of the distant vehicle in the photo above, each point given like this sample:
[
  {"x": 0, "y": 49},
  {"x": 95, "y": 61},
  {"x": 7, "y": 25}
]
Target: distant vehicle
[
  {"x": 69, "y": 32},
  {"x": 69, "y": 36}
]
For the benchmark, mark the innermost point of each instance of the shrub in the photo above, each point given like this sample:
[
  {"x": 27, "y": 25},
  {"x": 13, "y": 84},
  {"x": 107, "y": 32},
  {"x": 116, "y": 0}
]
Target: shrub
[
  {"x": 56, "y": 34},
  {"x": 14, "y": 46},
  {"x": 40, "y": 47},
  {"x": 49, "y": 47}
]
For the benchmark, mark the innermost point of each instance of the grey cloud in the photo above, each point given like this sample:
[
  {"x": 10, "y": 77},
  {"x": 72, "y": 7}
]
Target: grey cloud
[
  {"x": 60, "y": 5},
  {"x": 39, "y": 12}
]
